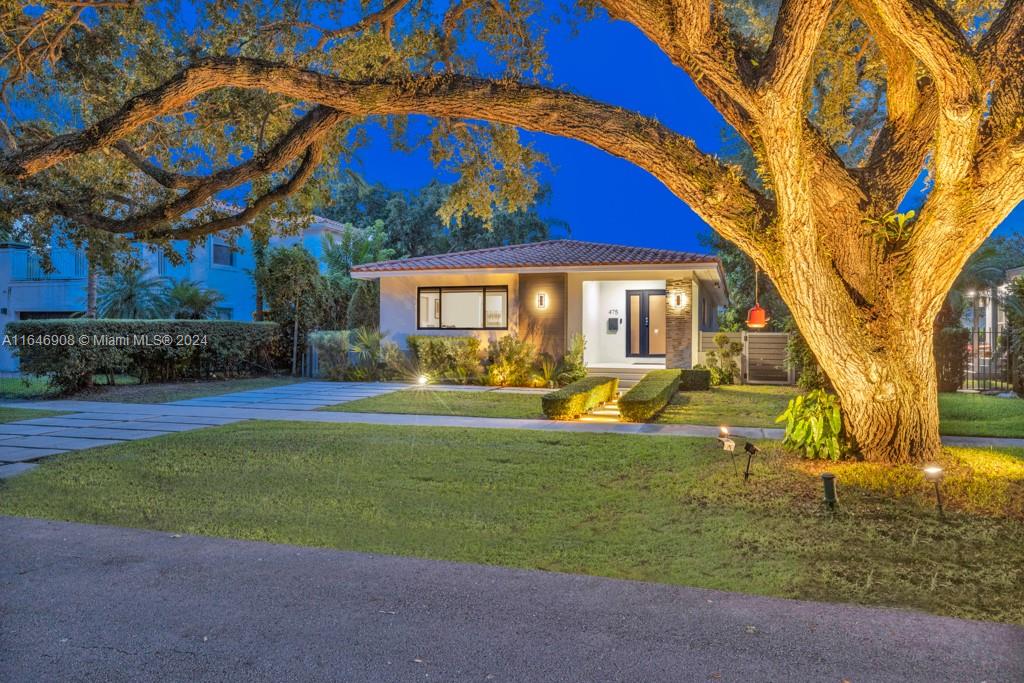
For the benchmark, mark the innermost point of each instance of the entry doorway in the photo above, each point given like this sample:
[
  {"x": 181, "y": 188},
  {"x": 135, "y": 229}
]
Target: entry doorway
[{"x": 645, "y": 323}]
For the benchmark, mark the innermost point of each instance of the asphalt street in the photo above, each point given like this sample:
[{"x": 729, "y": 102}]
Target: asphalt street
[{"x": 93, "y": 603}]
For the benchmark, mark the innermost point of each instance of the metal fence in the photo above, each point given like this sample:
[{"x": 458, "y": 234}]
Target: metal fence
[{"x": 988, "y": 367}]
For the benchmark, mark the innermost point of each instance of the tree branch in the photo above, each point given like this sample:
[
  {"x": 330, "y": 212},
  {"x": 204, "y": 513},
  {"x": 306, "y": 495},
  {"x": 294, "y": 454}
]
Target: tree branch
[
  {"x": 307, "y": 134},
  {"x": 936, "y": 40},
  {"x": 714, "y": 191},
  {"x": 797, "y": 32},
  {"x": 310, "y": 161}
]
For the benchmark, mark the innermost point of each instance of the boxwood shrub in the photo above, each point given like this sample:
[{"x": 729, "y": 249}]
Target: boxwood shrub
[
  {"x": 695, "y": 380},
  {"x": 575, "y": 399},
  {"x": 446, "y": 358},
  {"x": 649, "y": 395},
  {"x": 71, "y": 351}
]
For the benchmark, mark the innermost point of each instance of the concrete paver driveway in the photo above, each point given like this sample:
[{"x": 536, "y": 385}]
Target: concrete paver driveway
[
  {"x": 81, "y": 602},
  {"x": 98, "y": 423}
]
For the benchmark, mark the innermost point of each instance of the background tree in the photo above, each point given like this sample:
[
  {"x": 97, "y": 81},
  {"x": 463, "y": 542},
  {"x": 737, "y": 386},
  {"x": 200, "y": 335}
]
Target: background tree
[
  {"x": 844, "y": 104},
  {"x": 295, "y": 291},
  {"x": 131, "y": 294},
  {"x": 188, "y": 300}
]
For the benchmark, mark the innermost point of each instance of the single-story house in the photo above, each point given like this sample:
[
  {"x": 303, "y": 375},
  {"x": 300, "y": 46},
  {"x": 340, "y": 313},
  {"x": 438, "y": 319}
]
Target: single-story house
[{"x": 635, "y": 306}]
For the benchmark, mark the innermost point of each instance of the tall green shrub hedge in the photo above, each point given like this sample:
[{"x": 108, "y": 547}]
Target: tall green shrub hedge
[
  {"x": 571, "y": 401},
  {"x": 446, "y": 358},
  {"x": 649, "y": 395},
  {"x": 695, "y": 379},
  {"x": 332, "y": 348},
  {"x": 72, "y": 351}
]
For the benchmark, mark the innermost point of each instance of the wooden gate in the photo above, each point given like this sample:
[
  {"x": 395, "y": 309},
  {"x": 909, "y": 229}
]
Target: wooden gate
[{"x": 763, "y": 359}]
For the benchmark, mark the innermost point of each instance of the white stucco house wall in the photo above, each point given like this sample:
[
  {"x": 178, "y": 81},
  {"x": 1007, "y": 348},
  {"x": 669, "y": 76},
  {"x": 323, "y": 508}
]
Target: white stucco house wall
[
  {"x": 27, "y": 292},
  {"x": 635, "y": 306}
]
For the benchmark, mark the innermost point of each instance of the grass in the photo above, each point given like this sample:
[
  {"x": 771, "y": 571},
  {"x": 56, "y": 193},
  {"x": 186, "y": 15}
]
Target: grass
[
  {"x": 20, "y": 388},
  {"x": 745, "y": 405},
  {"x": 439, "y": 402},
  {"x": 738, "y": 406},
  {"x": 126, "y": 389},
  {"x": 652, "y": 508},
  {"x": 179, "y": 391},
  {"x": 978, "y": 415},
  {"x": 15, "y": 414}
]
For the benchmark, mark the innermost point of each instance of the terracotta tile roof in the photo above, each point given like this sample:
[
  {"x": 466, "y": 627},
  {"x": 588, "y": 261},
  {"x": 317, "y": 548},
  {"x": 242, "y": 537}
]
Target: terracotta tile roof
[{"x": 552, "y": 253}]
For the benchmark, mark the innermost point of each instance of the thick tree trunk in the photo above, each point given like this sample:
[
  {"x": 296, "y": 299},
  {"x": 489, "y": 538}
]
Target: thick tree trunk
[{"x": 888, "y": 393}]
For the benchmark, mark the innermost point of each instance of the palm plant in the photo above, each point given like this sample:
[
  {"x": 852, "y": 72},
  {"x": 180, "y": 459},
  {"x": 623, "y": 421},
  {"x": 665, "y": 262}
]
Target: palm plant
[
  {"x": 132, "y": 294},
  {"x": 189, "y": 300}
]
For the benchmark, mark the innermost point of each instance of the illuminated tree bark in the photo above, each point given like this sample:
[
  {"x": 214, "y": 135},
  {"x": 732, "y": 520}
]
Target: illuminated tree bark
[{"x": 863, "y": 296}]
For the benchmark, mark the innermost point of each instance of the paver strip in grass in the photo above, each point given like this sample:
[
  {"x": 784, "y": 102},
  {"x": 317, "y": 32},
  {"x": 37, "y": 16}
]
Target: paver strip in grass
[{"x": 659, "y": 509}]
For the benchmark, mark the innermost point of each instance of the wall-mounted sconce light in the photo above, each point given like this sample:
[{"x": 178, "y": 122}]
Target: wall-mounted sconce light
[
  {"x": 542, "y": 300},
  {"x": 679, "y": 299}
]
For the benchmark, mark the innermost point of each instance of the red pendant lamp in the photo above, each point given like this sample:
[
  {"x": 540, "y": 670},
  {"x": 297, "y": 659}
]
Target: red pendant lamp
[{"x": 757, "y": 317}]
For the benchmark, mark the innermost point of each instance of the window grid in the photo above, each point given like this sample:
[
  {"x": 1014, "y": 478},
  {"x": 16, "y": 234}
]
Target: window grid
[{"x": 439, "y": 311}]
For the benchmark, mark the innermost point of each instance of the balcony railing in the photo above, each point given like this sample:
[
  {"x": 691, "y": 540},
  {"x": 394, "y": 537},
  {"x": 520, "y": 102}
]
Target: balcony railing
[{"x": 67, "y": 264}]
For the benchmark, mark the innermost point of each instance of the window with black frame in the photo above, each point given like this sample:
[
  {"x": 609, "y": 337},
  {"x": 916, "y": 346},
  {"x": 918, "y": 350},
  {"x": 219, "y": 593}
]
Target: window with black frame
[{"x": 462, "y": 308}]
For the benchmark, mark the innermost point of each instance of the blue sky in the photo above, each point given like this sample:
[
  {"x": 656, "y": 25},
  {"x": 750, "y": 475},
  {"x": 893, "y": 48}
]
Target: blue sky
[{"x": 601, "y": 197}]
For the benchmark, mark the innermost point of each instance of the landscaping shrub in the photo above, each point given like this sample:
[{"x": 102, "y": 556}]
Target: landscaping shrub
[
  {"x": 572, "y": 367},
  {"x": 722, "y": 361},
  {"x": 332, "y": 348},
  {"x": 800, "y": 358},
  {"x": 446, "y": 358},
  {"x": 71, "y": 351},
  {"x": 951, "y": 357},
  {"x": 697, "y": 379},
  {"x": 510, "y": 362},
  {"x": 649, "y": 395},
  {"x": 571, "y": 401},
  {"x": 364, "y": 306},
  {"x": 814, "y": 426}
]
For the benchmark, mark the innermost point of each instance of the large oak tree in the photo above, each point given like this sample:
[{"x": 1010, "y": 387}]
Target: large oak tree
[{"x": 130, "y": 119}]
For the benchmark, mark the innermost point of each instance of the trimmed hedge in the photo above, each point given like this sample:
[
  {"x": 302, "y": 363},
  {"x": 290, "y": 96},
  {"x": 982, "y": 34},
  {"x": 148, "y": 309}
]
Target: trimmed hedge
[
  {"x": 695, "y": 380},
  {"x": 447, "y": 358},
  {"x": 649, "y": 395},
  {"x": 72, "y": 351},
  {"x": 571, "y": 401}
]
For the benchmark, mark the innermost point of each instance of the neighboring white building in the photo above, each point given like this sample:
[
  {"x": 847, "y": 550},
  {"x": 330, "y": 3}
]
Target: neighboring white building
[{"x": 27, "y": 292}]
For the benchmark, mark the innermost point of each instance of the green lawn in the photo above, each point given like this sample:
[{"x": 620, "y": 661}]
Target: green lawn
[
  {"x": 744, "y": 405},
  {"x": 641, "y": 507},
  {"x": 127, "y": 389},
  {"x": 438, "y": 402},
  {"x": 978, "y": 415},
  {"x": 180, "y": 391},
  {"x": 17, "y": 388},
  {"x": 14, "y": 414}
]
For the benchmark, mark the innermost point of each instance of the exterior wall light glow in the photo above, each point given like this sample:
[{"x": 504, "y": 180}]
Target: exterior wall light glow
[
  {"x": 679, "y": 299},
  {"x": 542, "y": 300}
]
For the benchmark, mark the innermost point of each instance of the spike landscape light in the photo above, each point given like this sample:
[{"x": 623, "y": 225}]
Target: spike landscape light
[
  {"x": 934, "y": 474},
  {"x": 828, "y": 483},
  {"x": 728, "y": 445},
  {"x": 423, "y": 379},
  {"x": 751, "y": 450}
]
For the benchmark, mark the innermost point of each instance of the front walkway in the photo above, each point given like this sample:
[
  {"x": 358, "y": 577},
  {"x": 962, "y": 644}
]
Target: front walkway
[
  {"x": 101, "y": 603},
  {"x": 98, "y": 423}
]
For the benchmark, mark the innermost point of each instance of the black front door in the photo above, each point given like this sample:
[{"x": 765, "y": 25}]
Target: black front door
[{"x": 645, "y": 323}]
